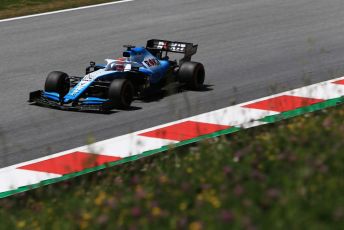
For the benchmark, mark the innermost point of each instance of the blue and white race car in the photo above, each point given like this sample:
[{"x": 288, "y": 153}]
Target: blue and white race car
[{"x": 117, "y": 83}]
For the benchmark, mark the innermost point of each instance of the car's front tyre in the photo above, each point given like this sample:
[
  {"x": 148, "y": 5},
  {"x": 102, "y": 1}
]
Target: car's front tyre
[
  {"x": 121, "y": 93},
  {"x": 57, "y": 82}
]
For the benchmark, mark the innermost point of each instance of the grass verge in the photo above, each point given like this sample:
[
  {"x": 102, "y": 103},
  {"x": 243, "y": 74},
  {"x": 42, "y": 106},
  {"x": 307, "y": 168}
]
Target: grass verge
[
  {"x": 279, "y": 176},
  {"x": 14, "y": 8}
]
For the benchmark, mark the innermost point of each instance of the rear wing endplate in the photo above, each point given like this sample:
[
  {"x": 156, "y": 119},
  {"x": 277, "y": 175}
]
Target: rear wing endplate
[{"x": 188, "y": 49}]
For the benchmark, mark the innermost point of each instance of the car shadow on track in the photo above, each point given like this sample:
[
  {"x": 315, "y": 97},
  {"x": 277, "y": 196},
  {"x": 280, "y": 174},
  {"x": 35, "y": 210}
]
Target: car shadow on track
[
  {"x": 109, "y": 112},
  {"x": 164, "y": 93},
  {"x": 131, "y": 108}
]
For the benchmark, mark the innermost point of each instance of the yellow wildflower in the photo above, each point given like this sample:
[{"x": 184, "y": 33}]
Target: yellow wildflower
[
  {"x": 182, "y": 206},
  {"x": 214, "y": 201},
  {"x": 100, "y": 198},
  {"x": 189, "y": 170},
  {"x": 86, "y": 216},
  {"x": 195, "y": 226},
  {"x": 21, "y": 224},
  {"x": 156, "y": 211}
]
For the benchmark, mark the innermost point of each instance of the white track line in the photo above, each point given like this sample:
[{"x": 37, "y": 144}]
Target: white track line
[{"x": 62, "y": 11}]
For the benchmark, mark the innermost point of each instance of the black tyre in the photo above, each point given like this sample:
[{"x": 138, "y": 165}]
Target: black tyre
[
  {"x": 121, "y": 93},
  {"x": 192, "y": 74},
  {"x": 57, "y": 82}
]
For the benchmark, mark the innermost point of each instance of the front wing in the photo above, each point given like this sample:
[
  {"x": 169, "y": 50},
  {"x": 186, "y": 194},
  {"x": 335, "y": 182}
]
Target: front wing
[{"x": 37, "y": 98}]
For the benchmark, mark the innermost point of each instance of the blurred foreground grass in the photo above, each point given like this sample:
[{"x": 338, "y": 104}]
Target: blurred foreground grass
[
  {"x": 13, "y": 8},
  {"x": 288, "y": 175}
]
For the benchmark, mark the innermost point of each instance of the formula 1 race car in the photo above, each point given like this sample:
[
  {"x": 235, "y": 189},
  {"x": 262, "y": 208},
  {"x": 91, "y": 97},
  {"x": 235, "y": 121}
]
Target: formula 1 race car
[{"x": 117, "y": 83}]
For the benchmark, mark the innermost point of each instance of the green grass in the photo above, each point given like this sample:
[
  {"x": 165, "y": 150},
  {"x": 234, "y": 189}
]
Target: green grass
[
  {"x": 13, "y": 8},
  {"x": 287, "y": 175},
  {"x": 5, "y": 4}
]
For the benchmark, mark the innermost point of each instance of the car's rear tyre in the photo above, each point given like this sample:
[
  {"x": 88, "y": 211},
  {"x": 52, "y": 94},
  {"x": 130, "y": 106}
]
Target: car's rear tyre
[
  {"x": 192, "y": 74},
  {"x": 57, "y": 82},
  {"x": 121, "y": 93}
]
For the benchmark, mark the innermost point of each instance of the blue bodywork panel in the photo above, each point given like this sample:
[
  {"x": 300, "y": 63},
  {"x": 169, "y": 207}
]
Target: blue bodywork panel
[
  {"x": 153, "y": 67},
  {"x": 52, "y": 96},
  {"x": 93, "y": 101}
]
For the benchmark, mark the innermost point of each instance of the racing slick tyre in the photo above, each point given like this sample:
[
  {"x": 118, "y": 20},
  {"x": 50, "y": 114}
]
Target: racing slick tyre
[
  {"x": 192, "y": 74},
  {"x": 57, "y": 82},
  {"x": 121, "y": 93}
]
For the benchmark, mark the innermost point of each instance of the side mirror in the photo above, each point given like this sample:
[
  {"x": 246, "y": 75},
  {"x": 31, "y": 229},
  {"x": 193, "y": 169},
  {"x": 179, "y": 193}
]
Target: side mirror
[
  {"x": 92, "y": 63},
  {"x": 126, "y": 54}
]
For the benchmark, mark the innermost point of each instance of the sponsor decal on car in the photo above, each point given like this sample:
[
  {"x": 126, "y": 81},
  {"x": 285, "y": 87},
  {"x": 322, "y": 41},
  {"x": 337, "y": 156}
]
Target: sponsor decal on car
[
  {"x": 85, "y": 81},
  {"x": 173, "y": 46}
]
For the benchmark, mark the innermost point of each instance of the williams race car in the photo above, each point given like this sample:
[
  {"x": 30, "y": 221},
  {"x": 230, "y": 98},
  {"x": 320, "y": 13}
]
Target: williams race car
[{"x": 117, "y": 83}]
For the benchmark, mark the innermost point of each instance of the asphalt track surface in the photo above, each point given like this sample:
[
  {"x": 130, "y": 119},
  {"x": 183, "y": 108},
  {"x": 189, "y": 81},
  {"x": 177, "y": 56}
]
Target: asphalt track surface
[{"x": 250, "y": 48}]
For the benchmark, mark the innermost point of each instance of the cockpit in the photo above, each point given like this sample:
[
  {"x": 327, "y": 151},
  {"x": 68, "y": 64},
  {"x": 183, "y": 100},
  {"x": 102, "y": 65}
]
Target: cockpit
[{"x": 117, "y": 65}]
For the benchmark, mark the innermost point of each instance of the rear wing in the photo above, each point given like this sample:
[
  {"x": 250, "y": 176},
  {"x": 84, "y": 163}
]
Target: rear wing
[{"x": 188, "y": 49}]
